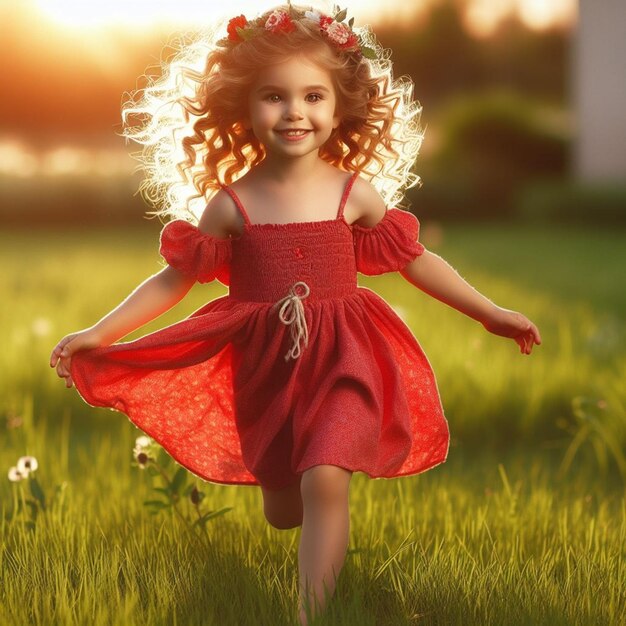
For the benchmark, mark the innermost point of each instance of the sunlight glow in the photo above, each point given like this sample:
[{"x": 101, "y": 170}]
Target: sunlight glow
[
  {"x": 482, "y": 16},
  {"x": 540, "y": 14},
  {"x": 17, "y": 159},
  {"x": 78, "y": 29},
  {"x": 148, "y": 13}
]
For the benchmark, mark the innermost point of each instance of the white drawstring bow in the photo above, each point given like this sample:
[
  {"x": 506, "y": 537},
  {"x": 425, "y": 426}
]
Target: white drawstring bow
[{"x": 291, "y": 305}]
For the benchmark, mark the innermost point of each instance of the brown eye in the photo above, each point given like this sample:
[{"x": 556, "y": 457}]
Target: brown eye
[{"x": 317, "y": 97}]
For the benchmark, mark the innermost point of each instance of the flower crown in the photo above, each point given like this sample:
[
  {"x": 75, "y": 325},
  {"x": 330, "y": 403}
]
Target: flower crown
[{"x": 279, "y": 21}]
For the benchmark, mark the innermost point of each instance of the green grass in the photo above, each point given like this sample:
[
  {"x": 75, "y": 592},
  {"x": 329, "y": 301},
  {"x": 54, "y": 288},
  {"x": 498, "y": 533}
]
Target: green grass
[{"x": 524, "y": 524}]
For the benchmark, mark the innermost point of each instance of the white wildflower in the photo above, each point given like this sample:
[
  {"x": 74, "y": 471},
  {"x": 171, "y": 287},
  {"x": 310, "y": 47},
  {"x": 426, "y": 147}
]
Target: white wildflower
[
  {"x": 142, "y": 449},
  {"x": 15, "y": 475},
  {"x": 142, "y": 459},
  {"x": 26, "y": 464},
  {"x": 143, "y": 441}
]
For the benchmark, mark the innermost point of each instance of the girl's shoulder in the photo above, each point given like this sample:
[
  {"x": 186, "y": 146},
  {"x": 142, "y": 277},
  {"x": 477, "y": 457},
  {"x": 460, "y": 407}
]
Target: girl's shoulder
[
  {"x": 221, "y": 217},
  {"x": 365, "y": 204}
]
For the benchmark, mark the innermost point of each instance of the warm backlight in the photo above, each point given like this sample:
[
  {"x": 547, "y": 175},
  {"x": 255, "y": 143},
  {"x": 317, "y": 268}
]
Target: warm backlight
[{"x": 482, "y": 16}]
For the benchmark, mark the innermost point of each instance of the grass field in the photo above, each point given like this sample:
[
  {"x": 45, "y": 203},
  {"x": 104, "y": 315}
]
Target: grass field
[{"x": 524, "y": 524}]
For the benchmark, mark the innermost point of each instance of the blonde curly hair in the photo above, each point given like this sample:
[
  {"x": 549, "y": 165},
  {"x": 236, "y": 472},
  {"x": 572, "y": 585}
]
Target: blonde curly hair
[{"x": 191, "y": 118}]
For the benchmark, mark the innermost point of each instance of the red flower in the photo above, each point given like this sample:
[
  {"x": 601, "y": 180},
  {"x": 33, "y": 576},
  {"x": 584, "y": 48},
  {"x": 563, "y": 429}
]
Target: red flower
[
  {"x": 339, "y": 34},
  {"x": 236, "y": 22},
  {"x": 287, "y": 26},
  {"x": 351, "y": 43},
  {"x": 280, "y": 22}
]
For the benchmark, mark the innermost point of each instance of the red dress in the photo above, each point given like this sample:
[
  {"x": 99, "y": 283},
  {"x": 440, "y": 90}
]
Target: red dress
[{"x": 297, "y": 366}]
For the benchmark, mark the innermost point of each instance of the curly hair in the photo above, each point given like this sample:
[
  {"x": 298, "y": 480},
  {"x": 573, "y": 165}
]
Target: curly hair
[{"x": 192, "y": 117}]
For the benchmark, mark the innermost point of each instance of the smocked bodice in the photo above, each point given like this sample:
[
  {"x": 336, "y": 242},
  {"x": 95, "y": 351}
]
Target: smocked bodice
[{"x": 267, "y": 259}]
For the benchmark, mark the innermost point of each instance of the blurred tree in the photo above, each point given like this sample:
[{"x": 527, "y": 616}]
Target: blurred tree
[
  {"x": 443, "y": 58},
  {"x": 491, "y": 145}
]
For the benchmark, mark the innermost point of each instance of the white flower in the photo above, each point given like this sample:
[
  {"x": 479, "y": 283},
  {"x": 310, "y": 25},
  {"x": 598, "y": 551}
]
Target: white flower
[
  {"x": 26, "y": 464},
  {"x": 143, "y": 447},
  {"x": 315, "y": 16},
  {"x": 15, "y": 475},
  {"x": 144, "y": 450},
  {"x": 143, "y": 441},
  {"x": 142, "y": 459}
]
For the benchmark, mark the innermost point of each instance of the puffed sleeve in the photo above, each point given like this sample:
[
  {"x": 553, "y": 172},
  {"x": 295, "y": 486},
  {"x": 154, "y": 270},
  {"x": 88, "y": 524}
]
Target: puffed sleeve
[
  {"x": 388, "y": 246},
  {"x": 201, "y": 255}
]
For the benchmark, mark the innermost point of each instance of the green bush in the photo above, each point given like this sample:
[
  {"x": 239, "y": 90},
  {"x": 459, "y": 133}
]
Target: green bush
[
  {"x": 573, "y": 202},
  {"x": 491, "y": 145},
  {"x": 69, "y": 200}
]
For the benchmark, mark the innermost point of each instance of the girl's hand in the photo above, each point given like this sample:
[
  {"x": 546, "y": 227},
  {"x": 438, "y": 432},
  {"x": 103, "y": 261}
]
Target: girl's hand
[
  {"x": 61, "y": 356},
  {"x": 508, "y": 323}
]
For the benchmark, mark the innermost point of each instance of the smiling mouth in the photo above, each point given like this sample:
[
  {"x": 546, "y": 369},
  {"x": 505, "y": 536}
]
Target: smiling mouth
[{"x": 293, "y": 133}]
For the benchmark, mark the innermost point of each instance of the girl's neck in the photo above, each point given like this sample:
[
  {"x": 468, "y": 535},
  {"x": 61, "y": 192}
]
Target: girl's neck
[{"x": 291, "y": 172}]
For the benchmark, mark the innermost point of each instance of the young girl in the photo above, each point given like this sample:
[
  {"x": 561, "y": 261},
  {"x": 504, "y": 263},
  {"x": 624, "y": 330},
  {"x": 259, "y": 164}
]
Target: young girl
[{"x": 298, "y": 377}]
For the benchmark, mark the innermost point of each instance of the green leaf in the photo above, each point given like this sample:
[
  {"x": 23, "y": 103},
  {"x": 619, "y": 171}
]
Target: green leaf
[
  {"x": 37, "y": 492},
  {"x": 163, "y": 458},
  {"x": 179, "y": 480},
  {"x": 368, "y": 53},
  {"x": 158, "y": 504},
  {"x": 162, "y": 490},
  {"x": 153, "y": 471},
  {"x": 350, "y": 22},
  {"x": 33, "y": 507},
  {"x": 341, "y": 15},
  {"x": 210, "y": 515},
  {"x": 245, "y": 33}
]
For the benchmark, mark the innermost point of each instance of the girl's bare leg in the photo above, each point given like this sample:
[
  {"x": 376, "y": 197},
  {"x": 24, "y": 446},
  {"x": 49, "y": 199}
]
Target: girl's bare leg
[{"x": 325, "y": 535}]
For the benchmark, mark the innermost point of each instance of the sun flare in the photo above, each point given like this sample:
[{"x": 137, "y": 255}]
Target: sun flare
[
  {"x": 482, "y": 16},
  {"x": 147, "y": 13}
]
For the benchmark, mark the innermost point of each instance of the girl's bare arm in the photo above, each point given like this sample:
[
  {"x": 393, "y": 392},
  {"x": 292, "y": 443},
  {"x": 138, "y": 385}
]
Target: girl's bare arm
[
  {"x": 151, "y": 298},
  {"x": 163, "y": 290},
  {"x": 433, "y": 275},
  {"x": 154, "y": 296}
]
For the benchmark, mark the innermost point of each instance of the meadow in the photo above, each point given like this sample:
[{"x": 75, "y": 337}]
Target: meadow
[{"x": 525, "y": 523}]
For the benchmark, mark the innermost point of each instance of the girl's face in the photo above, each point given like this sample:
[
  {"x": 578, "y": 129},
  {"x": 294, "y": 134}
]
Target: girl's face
[{"x": 294, "y": 94}]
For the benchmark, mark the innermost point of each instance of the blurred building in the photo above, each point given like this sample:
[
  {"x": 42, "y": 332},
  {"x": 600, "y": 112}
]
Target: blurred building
[{"x": 599, "y": 84}]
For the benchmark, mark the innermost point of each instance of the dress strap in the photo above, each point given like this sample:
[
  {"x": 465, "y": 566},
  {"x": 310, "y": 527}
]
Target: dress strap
[
  {"x": 233, "y": 195},
  {"x": 346, "y": 193}
]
